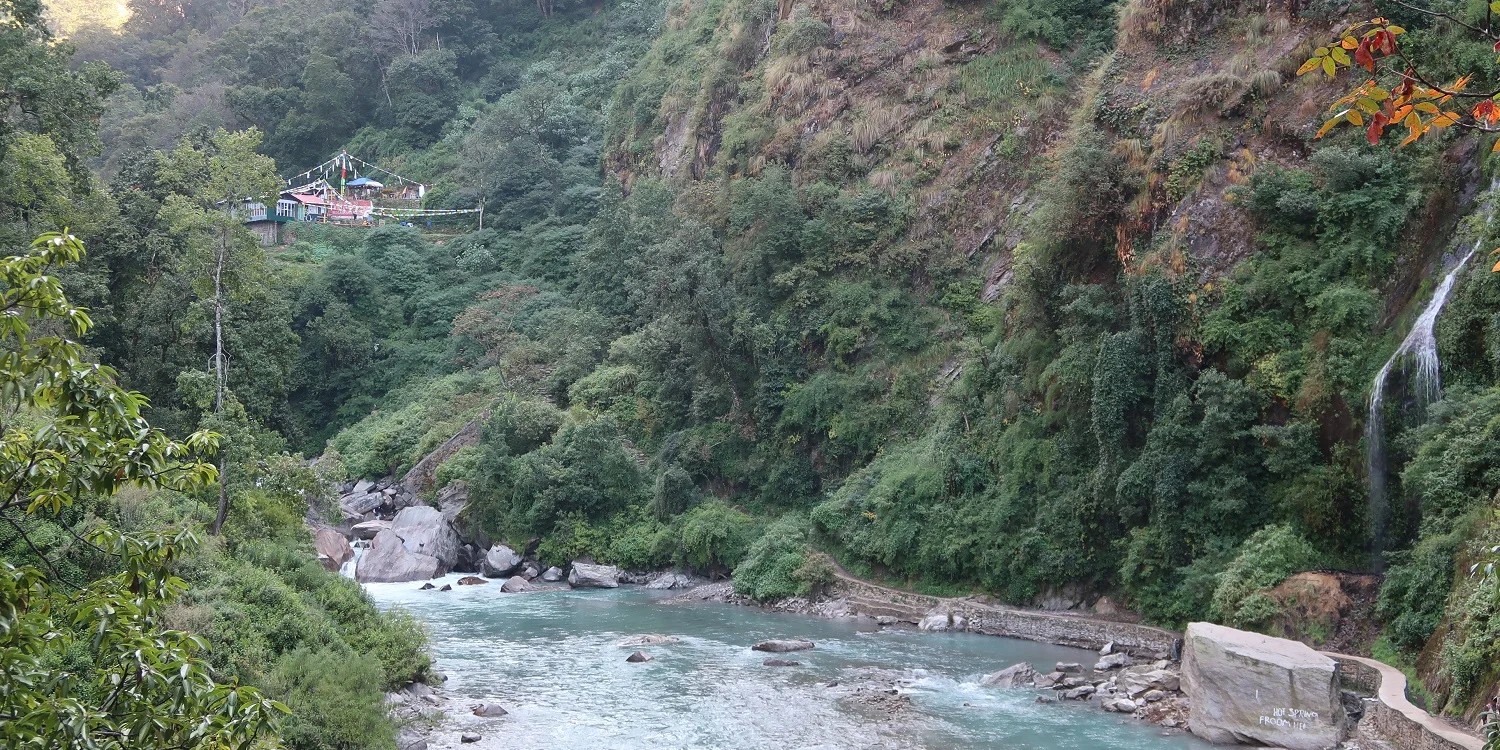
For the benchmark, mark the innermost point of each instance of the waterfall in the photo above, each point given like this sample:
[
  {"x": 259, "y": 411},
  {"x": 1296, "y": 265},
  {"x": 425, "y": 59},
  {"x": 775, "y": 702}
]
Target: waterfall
[
  {"x": 1418, "y": 348},
  {"x": 352, "y": 563}
]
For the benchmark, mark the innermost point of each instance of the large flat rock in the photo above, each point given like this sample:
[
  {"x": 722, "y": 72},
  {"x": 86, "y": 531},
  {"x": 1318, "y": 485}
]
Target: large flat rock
[{"x": 1252, "y": 689}]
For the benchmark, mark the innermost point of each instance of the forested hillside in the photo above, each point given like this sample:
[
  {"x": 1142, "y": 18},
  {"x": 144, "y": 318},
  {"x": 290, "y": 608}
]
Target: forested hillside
[{"x": 1065, "y": 304}]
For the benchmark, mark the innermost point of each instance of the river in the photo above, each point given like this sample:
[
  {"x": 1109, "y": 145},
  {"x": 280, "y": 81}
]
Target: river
[{"x": 552, "y": 660}]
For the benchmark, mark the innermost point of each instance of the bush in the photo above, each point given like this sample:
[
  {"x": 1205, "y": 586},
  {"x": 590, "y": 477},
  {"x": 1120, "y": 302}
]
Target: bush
[
  {"x": 777, "y": 564},
  {"x": 337, "y": 697},
  {"x": 716, "y": 537},
  {"x": 1267, "y": 558}
]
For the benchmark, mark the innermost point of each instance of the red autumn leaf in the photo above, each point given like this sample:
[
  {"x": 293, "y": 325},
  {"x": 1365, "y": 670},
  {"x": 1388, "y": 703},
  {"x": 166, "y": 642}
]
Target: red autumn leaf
[
  {"x": 1377, "y": 125},
  {"x": 1486, "y": 111},
  {"x": 1497, "y": 46},
  {"x": 1385, "y": 41},
  {"x": 1362, "y": 56}
]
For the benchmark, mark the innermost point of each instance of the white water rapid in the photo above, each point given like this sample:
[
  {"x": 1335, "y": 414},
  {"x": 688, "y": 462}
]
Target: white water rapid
[{"x": 1419, "y": 348}]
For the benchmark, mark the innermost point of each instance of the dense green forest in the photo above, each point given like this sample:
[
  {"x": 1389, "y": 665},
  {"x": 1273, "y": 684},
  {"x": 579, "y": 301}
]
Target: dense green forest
[{"x": 1042, "y": 300}]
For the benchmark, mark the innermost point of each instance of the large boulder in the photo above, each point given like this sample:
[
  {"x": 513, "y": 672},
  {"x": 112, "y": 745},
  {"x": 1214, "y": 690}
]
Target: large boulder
[
  {"x": 584, "y": 575},
  {"x": 517, "y": 585},
  {"x": 389, "y": 560},
  {"x": 333, "y": 548},
  {"x": 499, "y": 562},
  {"x": 1248, "y": 688},
  {"x": 552, "y": 574},
  {"x": 424, "y": 531},
  {"x": 368, "y": 529}
]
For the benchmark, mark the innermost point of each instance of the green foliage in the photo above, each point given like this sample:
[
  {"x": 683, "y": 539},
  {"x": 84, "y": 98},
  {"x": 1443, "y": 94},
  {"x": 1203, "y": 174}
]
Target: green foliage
[
  {"x": 1267, "y": 558},
  {"x": 716, "y": 537},
  {"x": 777, "y": 564},
  {"x": 338, "y": 698},
  {"x": 142, "y": 684}
]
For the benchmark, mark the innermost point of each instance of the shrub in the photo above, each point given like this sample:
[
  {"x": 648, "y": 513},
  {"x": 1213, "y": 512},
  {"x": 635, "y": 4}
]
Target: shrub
[
  {"x": 1267, "y": 558},
  {"x": 716, "y": 537},
  {"x": 777, "y": 564},
  {"x": 337, "y": 698}
]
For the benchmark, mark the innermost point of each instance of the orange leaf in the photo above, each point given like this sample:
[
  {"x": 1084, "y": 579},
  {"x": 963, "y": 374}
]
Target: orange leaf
[
  {"x": 1496, "y": 269},
  {"x": 1348, "y": 42},
  {"x": 1327, "y": 126}
]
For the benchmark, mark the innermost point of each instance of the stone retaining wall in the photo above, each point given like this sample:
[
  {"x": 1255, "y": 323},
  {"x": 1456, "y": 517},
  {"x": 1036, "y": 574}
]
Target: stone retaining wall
[
  {"x": 1390, "y": 722},
  {"x": 1402, "y": 731},
  {"x": 1033, "y": 625}
]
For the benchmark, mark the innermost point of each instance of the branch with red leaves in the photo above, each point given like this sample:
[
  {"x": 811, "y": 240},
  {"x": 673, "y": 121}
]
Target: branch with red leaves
[{"x": 1414, "y": 103}]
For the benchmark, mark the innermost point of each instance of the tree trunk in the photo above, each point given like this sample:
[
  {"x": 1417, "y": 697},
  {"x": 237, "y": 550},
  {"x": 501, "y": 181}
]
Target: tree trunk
[
  {"x": 223, "y": 496},
  {"x": 223, "y": 250}
]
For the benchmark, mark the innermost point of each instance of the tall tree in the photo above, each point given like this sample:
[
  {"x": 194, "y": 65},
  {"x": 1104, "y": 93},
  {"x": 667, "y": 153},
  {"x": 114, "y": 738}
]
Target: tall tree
[{"x": 213, "y": 184}]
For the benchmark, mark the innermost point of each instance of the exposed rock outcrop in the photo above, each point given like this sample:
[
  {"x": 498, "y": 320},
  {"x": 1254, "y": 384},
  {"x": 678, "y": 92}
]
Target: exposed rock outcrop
[
  {"x": 585, "y": 575},
  {"x": 388, "y": 560},
  {"x": 552, "y": 575},
  {"x": 1249, "y": 688},
  {"x": 638, "y": 657}
]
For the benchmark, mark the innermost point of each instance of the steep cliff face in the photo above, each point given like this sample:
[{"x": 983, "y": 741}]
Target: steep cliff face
[{"x": 1149, "y": 300}]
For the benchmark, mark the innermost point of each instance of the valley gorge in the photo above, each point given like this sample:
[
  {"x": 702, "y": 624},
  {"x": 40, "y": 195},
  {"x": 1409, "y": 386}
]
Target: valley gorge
[{"x": 747, "y": 373}]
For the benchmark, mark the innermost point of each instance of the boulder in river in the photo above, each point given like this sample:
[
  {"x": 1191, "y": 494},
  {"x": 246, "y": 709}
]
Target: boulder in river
[
  {"x": 499, "y": 562},
  {"x": 552, "y": 574},
  {"x": 942, "y": 619},
  {"x": 781, "y": 663},
  {"x": 426, "y": 587},
  {"x": 1248, "y": 688},
  {"x": 670, "y": 580},
  {"x": 1014, "y": 676},
  {"x": 471, "y": 581},
  {"x": 489, "y": 710},
  {"x": 423, "y": 530},
  {"x": 585, "y": 575},
  {"x": 649, "y": 639},
  {"x": 517, "y": 585},
  {"x": 334, "y": 549},
  {"x": 469, "y": 738},
  {"x": 1068, "y": 667},
  {"x": 638, "y": 657},
  {"x": 782, "y": 646},
  {"x": 390, "y": 561},
  {"x": 446, "y": 587}
]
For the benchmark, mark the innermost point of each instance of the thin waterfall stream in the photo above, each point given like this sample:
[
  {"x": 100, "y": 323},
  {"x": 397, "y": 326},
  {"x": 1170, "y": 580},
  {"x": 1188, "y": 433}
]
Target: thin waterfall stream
[{"x": 1418, "y": 348}]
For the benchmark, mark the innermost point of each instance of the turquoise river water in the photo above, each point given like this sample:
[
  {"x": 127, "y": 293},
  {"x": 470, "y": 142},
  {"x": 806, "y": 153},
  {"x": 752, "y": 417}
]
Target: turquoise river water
[{"x": 552, "y": 660}]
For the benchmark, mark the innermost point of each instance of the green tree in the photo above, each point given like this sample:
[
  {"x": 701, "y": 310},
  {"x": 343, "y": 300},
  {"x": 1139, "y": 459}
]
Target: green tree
[
  {"x": 70, "y": 433},
  {"x": 213, "y": 183}
]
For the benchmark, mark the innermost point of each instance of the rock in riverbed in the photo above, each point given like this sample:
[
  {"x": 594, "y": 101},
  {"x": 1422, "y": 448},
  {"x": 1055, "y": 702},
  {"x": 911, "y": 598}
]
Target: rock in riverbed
[
  {"x": 552, "y": 575},
  {"x": 639, "y": 657},
  {"x": 469, "y": 738},
  {"x": 471, "y": 581},
  {"x": 517, "y": 585},
  {"x": 1014, "y": 676},
  {"x": 781, "y": 663},
  {"x": 587, "y": 576},
  {"x": 500, "y": 561},
  {"x": 649, "y": 639},
  {"x": 781, "y": 647},
  {"x": 489, "y": 710},
  {"x": 388, "y": 560}
]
